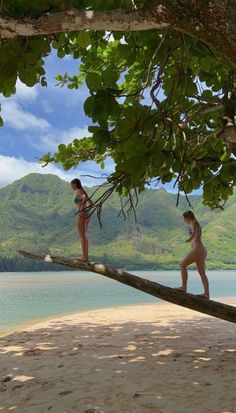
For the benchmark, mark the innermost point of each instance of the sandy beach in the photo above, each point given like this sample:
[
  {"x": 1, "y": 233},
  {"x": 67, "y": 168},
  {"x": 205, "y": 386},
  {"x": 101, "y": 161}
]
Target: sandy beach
[{"x": 136, "y": 359}]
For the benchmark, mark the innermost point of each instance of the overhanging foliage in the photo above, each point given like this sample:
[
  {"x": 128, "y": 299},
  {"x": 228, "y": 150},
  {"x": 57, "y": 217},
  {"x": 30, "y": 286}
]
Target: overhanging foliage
[{"x": 161, "y": 104}]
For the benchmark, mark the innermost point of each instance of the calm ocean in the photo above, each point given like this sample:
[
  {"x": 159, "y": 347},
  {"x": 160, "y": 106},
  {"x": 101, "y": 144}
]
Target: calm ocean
[{"x": 26, "y": 298}]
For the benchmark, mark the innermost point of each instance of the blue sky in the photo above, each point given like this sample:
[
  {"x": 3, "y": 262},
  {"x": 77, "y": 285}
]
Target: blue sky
[{"x": 37, "y": 119}]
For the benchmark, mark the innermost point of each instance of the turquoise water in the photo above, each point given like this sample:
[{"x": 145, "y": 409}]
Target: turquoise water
[{"x": 26, "y": 298}]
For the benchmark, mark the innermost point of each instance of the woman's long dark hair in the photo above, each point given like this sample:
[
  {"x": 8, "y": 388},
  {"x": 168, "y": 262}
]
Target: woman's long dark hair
[
  {"x": 78, "y": 185},
  {"x": 189, "y": 214}
]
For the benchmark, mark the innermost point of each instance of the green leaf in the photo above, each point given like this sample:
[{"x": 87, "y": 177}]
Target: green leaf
[
  {"x": 29, "y": 78},
  {"x": 110, "y": 77},
  {"x": 43, "y": 81},
  {"x": 93, "y": 129},
  {"x": 226, "y": 156},
  {"x": 191, "y": 89},
  {"x": 194, "y": 164},
  {"x": 90, "y": 105},
  {"x": 83, "y": 39},
  {"x": 38, "y": 44},
  {"x": 94, "y": 81},
  {"x": 103, "y": 140},
  {"x": 10, "y": 68},
  {"x": 62, "y": 147},
  {"x": 114, "y": 109},
  {"x": 206, "y": 63},
  {"x": 207, "y": 93},
  {"x": 61, "y": 53}
]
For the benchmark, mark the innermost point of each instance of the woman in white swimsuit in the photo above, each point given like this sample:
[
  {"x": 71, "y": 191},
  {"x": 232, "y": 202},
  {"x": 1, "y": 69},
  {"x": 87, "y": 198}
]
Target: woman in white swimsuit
[{"x": 197, "y": 255}]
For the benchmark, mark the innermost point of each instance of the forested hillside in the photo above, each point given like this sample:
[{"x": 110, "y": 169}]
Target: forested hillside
[{"x": 38, "y": 214}]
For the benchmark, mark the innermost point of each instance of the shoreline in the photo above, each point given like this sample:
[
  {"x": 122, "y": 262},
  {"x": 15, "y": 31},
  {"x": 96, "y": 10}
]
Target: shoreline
[
  {"x": 34, "y": 323},
  {"x": 17, "y": 328},
  {"x": 129, "y": 269},
  {"x": 158, "y": 358}
]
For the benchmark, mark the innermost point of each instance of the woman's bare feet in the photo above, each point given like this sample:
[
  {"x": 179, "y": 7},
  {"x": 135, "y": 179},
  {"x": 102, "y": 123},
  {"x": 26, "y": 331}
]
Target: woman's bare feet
[
  {"x": 182, "y": 289},
  {"x": 82, "y": 259},
  {"x": 204, "y": 295}
]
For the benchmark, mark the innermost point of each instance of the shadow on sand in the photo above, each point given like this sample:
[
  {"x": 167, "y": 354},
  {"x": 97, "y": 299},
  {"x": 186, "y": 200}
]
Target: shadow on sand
[{"x": 162, "y": 367}]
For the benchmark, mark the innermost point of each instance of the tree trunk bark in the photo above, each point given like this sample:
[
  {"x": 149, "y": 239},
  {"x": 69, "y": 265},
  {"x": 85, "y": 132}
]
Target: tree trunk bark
[
  {"x": 202, "y": 305},
  {"x": 211, "y": 21},
  {"x": 75, "y": 20}
]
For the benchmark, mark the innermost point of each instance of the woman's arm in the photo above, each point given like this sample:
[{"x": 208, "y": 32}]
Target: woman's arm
[
  {"x": 195, "y": 230},
  {"x": 84, "y": 198}
]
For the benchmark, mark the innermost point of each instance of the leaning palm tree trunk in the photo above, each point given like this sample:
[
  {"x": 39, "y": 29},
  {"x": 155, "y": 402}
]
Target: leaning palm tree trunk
[{"x": 202, "y": 305}]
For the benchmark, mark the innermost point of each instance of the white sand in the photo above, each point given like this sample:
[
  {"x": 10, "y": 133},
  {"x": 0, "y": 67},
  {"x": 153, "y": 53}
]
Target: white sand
[{"x": 142, "y": 359}]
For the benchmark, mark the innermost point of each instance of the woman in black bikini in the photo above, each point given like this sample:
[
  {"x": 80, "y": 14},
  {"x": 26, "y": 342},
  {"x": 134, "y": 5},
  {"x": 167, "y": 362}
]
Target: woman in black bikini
[
  {"x": 82, "y": 202},
  {"x": 197, "y": 255}
]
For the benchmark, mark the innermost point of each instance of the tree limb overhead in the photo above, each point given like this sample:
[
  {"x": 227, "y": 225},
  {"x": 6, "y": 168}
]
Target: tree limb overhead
[
  {"x": 75, "y": 20},
  {"x": 213, "y": 22}
]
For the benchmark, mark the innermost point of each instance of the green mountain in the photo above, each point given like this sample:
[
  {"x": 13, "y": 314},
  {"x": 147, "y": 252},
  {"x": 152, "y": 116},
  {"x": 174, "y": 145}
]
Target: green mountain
[{"x": 38, "y": 214}]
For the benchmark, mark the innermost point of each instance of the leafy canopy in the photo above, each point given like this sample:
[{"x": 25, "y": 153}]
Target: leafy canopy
[{"x": 161, "y": 104}]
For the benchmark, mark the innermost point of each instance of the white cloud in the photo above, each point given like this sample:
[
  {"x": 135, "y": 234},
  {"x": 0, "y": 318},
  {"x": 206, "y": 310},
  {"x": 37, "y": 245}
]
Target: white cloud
[
  {"x": 15, "y": 117},
  {"x": 47, "y": 107},
  {"x": 12, "y": 169},
  {"x": 50, "y": 141},
  {"x": 25, "y": 93}
]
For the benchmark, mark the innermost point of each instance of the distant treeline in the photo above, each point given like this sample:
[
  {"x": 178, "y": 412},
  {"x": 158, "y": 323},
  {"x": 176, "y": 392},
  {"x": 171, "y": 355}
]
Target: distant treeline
[{"x": 20, "y": 264}]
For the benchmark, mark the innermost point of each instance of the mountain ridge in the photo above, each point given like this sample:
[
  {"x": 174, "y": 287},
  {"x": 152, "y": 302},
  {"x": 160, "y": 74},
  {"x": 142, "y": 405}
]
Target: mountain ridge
[{"x": 37, "y": 213}]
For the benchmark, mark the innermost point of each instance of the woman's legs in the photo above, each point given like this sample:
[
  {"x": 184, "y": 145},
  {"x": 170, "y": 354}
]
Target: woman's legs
[
  {"x": 201, "y": 269},
  {"x": 197, "y": 255},
  {"x": 189, "y": 259},
  {"x": 82, "y": 229},
  {"x": 86, "y": 230}
]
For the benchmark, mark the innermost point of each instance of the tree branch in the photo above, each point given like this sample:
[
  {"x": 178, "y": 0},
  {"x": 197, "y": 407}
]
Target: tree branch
[
  {"x": 213, "y": 308},
  {"x": 75, "y": 20},
  {"x": 212, "y": 22}
]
